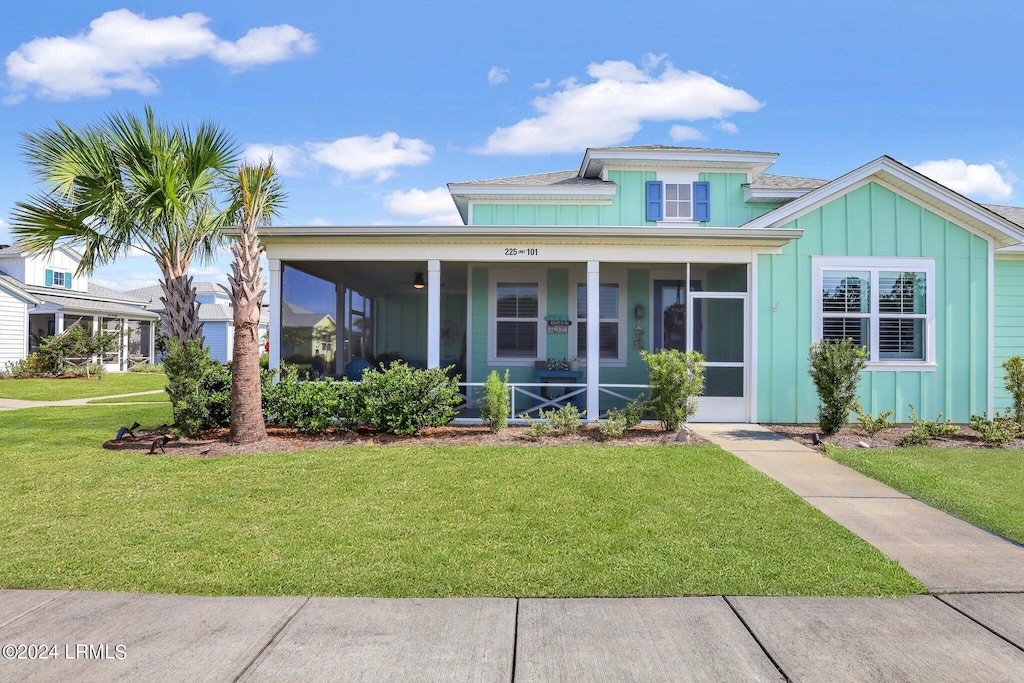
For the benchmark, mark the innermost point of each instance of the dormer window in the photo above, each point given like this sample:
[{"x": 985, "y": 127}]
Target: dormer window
[
  {"x": 678, "y": 201},
  {"x": 57, "y": 278}
]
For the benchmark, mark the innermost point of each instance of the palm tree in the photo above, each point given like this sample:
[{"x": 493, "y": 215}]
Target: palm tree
[
  {"x": 257, "y": 196},
  {"x": 130, "y": 183}
]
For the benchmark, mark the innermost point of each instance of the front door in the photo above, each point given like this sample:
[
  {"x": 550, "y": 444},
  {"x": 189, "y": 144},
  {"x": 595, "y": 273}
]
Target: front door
[{"x": 717, "y": 322}]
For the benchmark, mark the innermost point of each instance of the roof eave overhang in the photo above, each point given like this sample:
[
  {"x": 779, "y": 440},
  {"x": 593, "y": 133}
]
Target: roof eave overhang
[
  {"x": 892, "y": 173},
  {"x": 18, "y": 292},
  {"x": 596, "y": 159},
  {"x": 463, "y": 194},
  {"x": 765, "y": 196},
  {"x": 655, "y": 235}
]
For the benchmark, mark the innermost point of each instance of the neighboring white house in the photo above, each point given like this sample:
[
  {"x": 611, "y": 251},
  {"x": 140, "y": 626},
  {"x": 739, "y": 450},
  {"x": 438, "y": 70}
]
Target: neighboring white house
[
  {"x": 215, "y": 314},
  {"x": 40, "y": 296}
]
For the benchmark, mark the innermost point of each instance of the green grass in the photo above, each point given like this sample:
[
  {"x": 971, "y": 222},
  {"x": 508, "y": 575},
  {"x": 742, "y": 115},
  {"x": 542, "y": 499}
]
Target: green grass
[
  {"x": 983, "y": 486},
  {"x": 162, "y": 397},
  {"x": 64, "y": 389},
  {"x": 409, "y": 521}
]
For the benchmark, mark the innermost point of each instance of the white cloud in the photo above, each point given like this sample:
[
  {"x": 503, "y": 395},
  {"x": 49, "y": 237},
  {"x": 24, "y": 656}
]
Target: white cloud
[
  {"x": 543, "y": 85},
  {"x": 972, "y": 180},
  {"x": 430, "y": 207},
  {"x": 683, "y": 133},
  {"x": 727, "y": 126},
  {"x": 497, "y": 75},
  {"x": 120, "y": 49},
  {"x": 612, "y": 108},
  {"x": 288, "y": 159},
  {"x": 364, "y": 155},
  {"x": 320, "y": 221}
]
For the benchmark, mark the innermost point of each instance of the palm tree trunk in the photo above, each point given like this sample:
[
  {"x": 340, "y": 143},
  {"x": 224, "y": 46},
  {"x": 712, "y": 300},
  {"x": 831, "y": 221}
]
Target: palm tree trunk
[
  {"x": 247, "y": 291},
  {"x": 181, "y": 312}
]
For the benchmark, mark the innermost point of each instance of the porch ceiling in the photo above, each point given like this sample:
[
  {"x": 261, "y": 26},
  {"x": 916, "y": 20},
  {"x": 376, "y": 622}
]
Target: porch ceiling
[{"x": 375, "y": 278}]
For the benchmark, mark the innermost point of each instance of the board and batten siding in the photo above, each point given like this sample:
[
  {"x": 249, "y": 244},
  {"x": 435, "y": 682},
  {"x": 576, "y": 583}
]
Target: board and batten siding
[
  {"x": 728, "y": 209},
  {"x": 216, "y": 334},
  {"x": 1009, "y": 322},
  {"x": 13, "y": 314},
  {"x": 874, "y": 221}
]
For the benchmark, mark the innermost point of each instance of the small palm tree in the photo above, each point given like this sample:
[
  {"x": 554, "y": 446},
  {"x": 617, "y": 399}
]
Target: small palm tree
[
  {"x": 257, "y": 196},
  {"x": 130, "y": 183}
]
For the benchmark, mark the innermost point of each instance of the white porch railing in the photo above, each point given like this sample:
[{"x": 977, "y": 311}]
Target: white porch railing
[{"x": 528, "y": 398}]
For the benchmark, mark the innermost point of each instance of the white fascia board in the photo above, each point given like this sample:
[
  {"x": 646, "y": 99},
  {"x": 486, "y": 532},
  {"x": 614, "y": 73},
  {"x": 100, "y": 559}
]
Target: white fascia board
[
  {"x": 758, "y": 160},
  {"x": 891, "y": 172},
  {"x": 771, "y": 196},
  {"x": 18, "y": 292}
]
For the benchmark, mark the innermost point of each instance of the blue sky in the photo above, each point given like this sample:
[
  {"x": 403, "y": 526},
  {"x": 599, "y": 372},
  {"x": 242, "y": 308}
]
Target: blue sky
[{"x": 371, "y": 107}]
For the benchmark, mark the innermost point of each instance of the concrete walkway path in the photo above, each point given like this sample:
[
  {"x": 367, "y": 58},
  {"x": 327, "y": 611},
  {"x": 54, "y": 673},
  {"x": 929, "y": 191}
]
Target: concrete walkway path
[
  {"x": 945, "y": 553},
  {"x": 86, "y": 636},
  {"x": 19, "y": 404}
]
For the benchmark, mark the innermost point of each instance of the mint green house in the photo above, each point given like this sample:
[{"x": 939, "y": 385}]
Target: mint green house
[{"x": 564, "y": 278}]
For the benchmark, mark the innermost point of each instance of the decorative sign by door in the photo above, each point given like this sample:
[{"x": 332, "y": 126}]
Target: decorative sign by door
[{"x": 558, "y": 324}]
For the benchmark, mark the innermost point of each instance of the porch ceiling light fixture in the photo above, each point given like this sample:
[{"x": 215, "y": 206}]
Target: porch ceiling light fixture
[{"x": 418, "y": 283}]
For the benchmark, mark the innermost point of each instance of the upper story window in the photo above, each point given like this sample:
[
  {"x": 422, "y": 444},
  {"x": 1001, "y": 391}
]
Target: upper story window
[
  {"x": 57, "y": 278},
  {"x": 884, "y": 304},
  {"x": 678, "y": 201}
]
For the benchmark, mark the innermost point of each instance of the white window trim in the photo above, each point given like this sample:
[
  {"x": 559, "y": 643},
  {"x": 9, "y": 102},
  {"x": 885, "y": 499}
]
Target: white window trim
[
  {"x": 538, "y": 275},
  {"x": 874, "y": 265},
  {"x": 607, "y": 278},
  {"x": 677, "y": 178}
]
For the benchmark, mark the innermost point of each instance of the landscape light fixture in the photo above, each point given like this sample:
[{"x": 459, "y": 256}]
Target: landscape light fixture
[{"x": 418, "y": 282}]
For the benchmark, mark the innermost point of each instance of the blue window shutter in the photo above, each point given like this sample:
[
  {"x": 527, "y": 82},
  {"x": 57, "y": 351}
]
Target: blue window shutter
[
  {"x": 49, "y": 278},
  {"x": 702, "y": 201},
  {"x": 67, "y": 280},
  {"x": 655, "y": 193}
]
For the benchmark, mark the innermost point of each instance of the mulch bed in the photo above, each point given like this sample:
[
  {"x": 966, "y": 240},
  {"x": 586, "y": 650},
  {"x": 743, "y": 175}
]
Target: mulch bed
[
  {"x": 855, "y": 437},
  {"x": 214, "y": 442}
]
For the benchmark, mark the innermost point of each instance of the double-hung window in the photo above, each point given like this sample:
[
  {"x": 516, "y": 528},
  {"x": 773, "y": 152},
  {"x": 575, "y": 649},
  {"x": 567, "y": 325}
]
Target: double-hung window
[
  {"x": 678, "y": 202},
  {"x": 517, "y": 319},
  {"x": 884, "y": 304},
  {"x": 608, "y": 321}
]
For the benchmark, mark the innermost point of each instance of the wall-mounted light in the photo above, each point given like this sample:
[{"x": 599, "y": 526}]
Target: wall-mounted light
[
  {"x": 639, "y": 311},
  {"x": 418, "y": 283}
]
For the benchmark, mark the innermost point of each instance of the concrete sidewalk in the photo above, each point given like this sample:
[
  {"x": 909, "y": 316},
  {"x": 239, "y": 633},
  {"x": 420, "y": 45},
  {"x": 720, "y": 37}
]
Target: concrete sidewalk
[
  {"x": 117, "y": 636},
  {"x": 18, "y": 404},
  {"x": 945, "y": 553}
]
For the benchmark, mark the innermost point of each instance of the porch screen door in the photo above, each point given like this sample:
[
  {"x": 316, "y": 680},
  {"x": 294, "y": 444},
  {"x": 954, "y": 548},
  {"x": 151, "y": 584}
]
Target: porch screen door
[{"x": 717, "y": 322}]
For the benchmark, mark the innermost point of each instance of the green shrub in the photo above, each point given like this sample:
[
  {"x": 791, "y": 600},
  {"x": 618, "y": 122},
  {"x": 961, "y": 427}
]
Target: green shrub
[
  {"x": 403, "y": 400},
  {"x": 147, "y": 367},
  {"x": 631, "y": 415},
  {"x": 77, "y": 342},
  {"x": 25, "y": 368},
  {"x": 677, "y": 379},
  {"x": 835, "y": 371},
  {"x": 1014, "y": 381},
  {"x": 917, "y": 436},
  {"x": 565, "y": 419},
  {"x": 539, "y": 427},
  {"x": 199, "y": 388},
  {"x": 309, "y": 407},
  {"x": 494, "y": 406},
  {"x": 1000, "y": 430},
  {"x": 614, "y": 425},
  {"x": 872, "y": 425},
  {"x": 936, "y": 428}
]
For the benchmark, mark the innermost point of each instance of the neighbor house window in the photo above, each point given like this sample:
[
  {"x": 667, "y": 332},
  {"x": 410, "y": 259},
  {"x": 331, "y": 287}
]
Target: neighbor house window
[
  {"x": 517, "y": 319},
  {"x": 886, "y": 305},
  {"x": 609, "y": 321}
]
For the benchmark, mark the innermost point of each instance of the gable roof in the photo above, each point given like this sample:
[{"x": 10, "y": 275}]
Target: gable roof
[
  {"x": 151, "y": 295},
  {"x": 14, "y": 286},
  {"x": 17, "y": 250},
  {"x": 923, "y": 189},
  {"x": 595, "y": 158},
  {"x": 771, "y": 181}
]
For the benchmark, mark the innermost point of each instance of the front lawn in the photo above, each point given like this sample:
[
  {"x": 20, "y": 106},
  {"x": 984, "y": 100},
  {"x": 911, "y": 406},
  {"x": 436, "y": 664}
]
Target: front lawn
[
  {"x": 981, "y": 485},
  {"x": 409, "y": 520},
  {"x": 62, "y": 389},
  {"x": 162, "y": 397}
]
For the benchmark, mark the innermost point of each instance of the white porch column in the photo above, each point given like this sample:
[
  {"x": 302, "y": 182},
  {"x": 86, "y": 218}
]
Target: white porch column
[
  {"x": 593, "y": 339},
  {"x": 274, "y": 331},
  {"x": 152, "y": 342},
  {"x": 433, "y": 314},
  {"x": 95, "y": 333},
  {"x": 124, "y": 343},
  {"x": 58, "y": 323}
]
